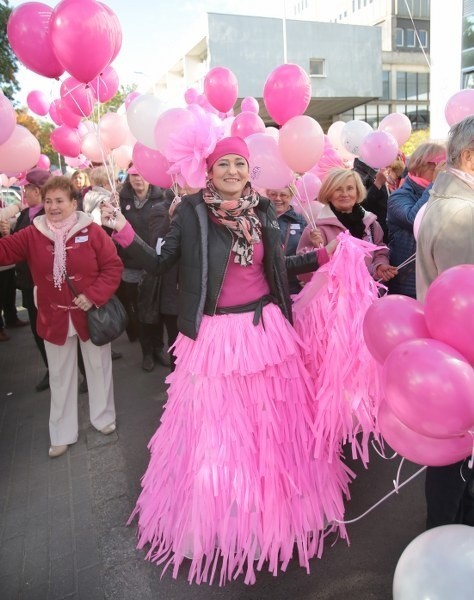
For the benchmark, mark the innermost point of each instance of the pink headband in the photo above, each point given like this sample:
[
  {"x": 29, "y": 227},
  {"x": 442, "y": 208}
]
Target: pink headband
[{"x": 228, "y": 145}]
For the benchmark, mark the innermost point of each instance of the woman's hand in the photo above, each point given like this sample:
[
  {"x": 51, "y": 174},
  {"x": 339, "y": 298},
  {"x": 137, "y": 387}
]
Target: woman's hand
[
  {"x": 4, "y": 227},
  {"x": 385, "y": 272},
  {"x": 331, "y": 247},
  {"x": 82, "y": 302},
  {"x": 111, "y": 216},
  {"x": 316, "y": 238}
]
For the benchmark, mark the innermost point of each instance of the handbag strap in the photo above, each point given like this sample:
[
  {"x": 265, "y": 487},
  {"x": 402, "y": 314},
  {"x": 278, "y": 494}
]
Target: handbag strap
[{"x": 71, "y": 285}]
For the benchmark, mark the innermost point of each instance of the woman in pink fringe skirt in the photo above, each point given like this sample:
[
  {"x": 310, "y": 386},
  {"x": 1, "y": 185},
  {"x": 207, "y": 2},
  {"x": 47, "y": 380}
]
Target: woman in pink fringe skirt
[{"x": 232, "y": 481}]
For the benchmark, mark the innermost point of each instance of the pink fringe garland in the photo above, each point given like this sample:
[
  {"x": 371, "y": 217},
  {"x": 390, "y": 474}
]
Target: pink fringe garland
[
  {"x": 232, "y": 475},
  {"x": 329, "y": 314}
]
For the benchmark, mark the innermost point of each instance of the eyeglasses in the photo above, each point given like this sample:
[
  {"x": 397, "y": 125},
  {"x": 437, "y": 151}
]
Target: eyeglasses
[{"x": 282, "y": 195}]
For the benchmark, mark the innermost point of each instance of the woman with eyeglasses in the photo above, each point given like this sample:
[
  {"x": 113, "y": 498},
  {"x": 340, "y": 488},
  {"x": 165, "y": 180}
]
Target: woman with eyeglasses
[{"x": 423, "y": 165}]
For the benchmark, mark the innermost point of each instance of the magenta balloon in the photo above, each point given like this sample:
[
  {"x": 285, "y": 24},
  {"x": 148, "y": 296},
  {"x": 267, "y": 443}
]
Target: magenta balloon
[
  {"x": 66, "y": 140},
  {"x": 116, "y": 29},
  {"x": 28, "y": 34},
  {"x": 267, "y": 167},
  {"x": 191, "y": 95},
  {"x": 459, "y": 106},
  {"x": 106, "y": 85},
  {"x": 397, "y": 124},
  {"x": 301, "y": 143},
  {"x": 421, "y": 449},
  {"x": 151, "y": 165},
  {"x": 54, "y": 111},
  {"x": 221, "y": 88},
  {"x": 247, "y": 123},
  {"x": 250, "y": 104},
  {"x": 308, "y": 187},
  {"x": 449, "y": 309},
  {"x": 67, "y": 116},
  {"x": 378, "y": 149},
  {"x": 430, "y": 388},
  {"x": 83, "y": 36},
  {"x": 77, "y": 96},
  {"x": 7, "y": 118},
  {"x": 287, "y": 92},
  {"x": 43, "y": 162},
  {"x": 20, "y": 152},
  {"x": 38, "y": 102},
  {"x": 390, "y": 321}
]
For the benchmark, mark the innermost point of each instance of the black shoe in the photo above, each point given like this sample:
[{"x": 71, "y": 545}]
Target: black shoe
[
  {"x": 43, "y": 384},
  {"x": 162, "y": 357},
  {"x": 83, "y": 388},
  {"x": 17, "y": 323},
  {"x": 116, "y": 355},
  {"x": 148, "y": 364}
]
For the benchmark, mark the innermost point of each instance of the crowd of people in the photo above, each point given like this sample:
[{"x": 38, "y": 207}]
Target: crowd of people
[{"x": 207, "y": 281}]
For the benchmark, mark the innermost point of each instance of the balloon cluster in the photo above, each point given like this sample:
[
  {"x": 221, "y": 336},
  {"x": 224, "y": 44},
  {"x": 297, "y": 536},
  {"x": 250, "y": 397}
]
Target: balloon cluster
[{"x": 427, "y": 353}]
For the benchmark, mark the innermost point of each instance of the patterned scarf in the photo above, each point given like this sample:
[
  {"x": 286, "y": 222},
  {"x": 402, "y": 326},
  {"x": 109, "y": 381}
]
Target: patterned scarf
[
  {"x": 60, "y": 231},
  {"x": 239, "y": 217},
  {"x": 463, "y": 175}
]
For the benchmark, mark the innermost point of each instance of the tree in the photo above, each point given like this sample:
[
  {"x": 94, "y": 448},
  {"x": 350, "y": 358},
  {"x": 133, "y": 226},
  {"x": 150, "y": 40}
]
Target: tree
[
  {"x": 8, "y": 61},
  {"x": 114, "y": 103}
]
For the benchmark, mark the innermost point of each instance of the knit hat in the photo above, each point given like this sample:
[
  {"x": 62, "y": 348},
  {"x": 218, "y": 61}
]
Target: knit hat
[
  {"x": 133, "y": 171},
  {"x": 37, "y": 177},
  {"x": 228, "y": 145}
]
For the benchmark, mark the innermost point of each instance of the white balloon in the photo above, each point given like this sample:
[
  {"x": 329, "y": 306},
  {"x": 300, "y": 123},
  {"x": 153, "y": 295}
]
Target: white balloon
[
  {"x": 353, "y": 133},
  {"x": 142, "y": 114},
  {"x": 437, "y": 565}
]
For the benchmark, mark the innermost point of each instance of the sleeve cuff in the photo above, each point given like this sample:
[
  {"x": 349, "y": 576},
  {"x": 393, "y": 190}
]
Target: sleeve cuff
[
  {"x": 323, "y": 256},
  {"x": 124, "y": 237}
]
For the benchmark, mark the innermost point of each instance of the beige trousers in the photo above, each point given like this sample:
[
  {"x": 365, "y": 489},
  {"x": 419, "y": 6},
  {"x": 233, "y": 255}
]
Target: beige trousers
[{"x": 62, "y": 363}]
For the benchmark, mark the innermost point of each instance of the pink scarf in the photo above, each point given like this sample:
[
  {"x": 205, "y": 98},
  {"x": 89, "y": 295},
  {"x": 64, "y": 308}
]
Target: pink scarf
[
  {"x": 463, "y": 175},
  {"x": 60, "y": 231},
  {"x": 419, "y": 180}
]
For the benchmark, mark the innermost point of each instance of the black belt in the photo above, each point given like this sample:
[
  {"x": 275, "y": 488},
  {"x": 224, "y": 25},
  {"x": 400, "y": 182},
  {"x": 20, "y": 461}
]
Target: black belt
[{"x": 256, "y": 307}]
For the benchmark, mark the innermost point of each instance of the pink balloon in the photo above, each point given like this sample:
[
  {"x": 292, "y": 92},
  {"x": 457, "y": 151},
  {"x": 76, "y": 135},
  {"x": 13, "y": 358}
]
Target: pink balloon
[
  {"x": 20, "y": 152},
  {"x": 430, "y": 388},
  {"x": 28, "y": 34},
  {"x": 378, "y": 149},
  {"x": 171, "y": 121},
  {"x": 191, "y": 95},
  {"x": 301, "y": 143},
  {"x": 54, "y": 111},
  {"x": 449, "y": 309},
  {"x": 38, "y": 102},
  {"x": 250, "y": 104},
  {"x": 84, "y": 36},
  {"x": 77, "y": 162},
  {"x": 7, "y": 118},
  {"x": 246, "y": 123},
  {"x": 84, "y": 128},
  {"x": 43, "y": 162},
  {"x": 66, "y": 116},
  {"x": 398, "y": 125},
  {"x": 418, "y": 448},
  {"x": 94, "y": 148},
  {"x": 66, "y": 140},
  {"x": 287, "y": 92},
  {"x": 77, "y": 96},
  {"x": 390, "y": 321},
  {"x": 122, "y": 156},
  {"x": 417, "y": 221},
  {"x": 267, "y": 167},
  {"x": 221, "y": 88},
  {"x": 308, "y": 187},
  {"x": 106, "y": 85},
  {"x": 113, "y": 129},
  {"x": 459, "y": 106},
  {"x": 152, "y": 165},
  {"x": 116, "y": 28},
  {"x": 130, "y": 98}
]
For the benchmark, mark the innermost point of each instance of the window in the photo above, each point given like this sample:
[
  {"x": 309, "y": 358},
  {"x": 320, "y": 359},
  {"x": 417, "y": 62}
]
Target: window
[
  {"x": 317, "y": 67},
  {"x": 399, "y": 37},
  {"x": 386, "y": 85},
  {"x": 423, "y": 35},
  {"x": 411, "y": 38}
]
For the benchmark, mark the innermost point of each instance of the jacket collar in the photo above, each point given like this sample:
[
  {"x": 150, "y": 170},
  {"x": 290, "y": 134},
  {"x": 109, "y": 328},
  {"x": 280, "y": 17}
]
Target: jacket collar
[{"x": 84, "y": 220}]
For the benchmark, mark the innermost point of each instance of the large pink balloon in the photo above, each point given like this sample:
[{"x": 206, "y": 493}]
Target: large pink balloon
[
  {"x": 171, "y": 121},
  {"x": 7, "y": 118},
  {"x": 113, "y": 129},
  {"x": 78, "y": 97},
  {"x": 459, "y": 106},
  {"x": 54, "y": 111},
  {"x": 378, "y": 149},
  {"x": 390, "y": 321},
  {"x": 151, "y": 165},
  {"x": 105, "y": 86},
  {"x": 20, "y": 152},
  {"x": 221, "y": 88},
  {"x": 122, "y": 156},
  {"x": 83, "y": 35},
  {"x": 38, "y": 102},
  {"x": 267, "y": 167},
  {"x": 287, "y": 92},
  {"x": 43, "y": 162},
  {"x": 308, "y": 187},
  {"x": 301, "y": 143},
  {"x": 397, "y": 124},
  {"x": 418, "y": 448},
  {"x": 116, "y": 28},
  {"x": 94, "y": 148},
  {"x": 449, "y": 309},
  {"x": 66, "y": 116},
  {"x": 66, "y": 140},
  {"x": 430, "y": 388},
  {"x": 250, "y": 104},
  {"x": 28, "y": 34},
  {"x": 246, "y": 123}
]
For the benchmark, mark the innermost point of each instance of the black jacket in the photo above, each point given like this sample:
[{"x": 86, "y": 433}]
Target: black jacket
[{"x": 203, "y": 249}]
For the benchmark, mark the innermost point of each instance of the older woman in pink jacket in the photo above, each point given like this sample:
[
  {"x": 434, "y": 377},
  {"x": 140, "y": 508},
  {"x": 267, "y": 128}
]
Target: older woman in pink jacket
[
  {"x": 341, "y": 193},
  {"x": 63, "y": 242}
]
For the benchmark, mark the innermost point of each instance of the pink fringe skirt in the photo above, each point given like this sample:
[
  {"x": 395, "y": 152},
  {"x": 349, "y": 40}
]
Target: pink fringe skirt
[{"x": 233, "y": 481}]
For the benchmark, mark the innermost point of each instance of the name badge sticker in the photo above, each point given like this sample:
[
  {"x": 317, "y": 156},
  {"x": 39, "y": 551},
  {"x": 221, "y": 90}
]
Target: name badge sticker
[{"x": 81, "y": 238}]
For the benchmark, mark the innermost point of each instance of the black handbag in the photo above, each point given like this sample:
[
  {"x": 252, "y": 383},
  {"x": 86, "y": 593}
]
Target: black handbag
[{"x": 107, "y": 322}]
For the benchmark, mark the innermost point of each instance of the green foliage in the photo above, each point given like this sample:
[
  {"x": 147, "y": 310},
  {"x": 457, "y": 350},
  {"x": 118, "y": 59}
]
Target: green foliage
[
  {"x": 114, "y": 103},
  {"x": 8, "y": 61}
]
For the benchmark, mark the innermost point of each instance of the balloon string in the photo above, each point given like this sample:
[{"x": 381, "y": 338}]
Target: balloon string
[
  {"x": 406, "y": 262},
  {"x": 417, "y": 36},
  {"x": 398, "y": 486},
  {"x": 377, "y": 446},
  {"x": 470, "y": 464},
  {"x": 306, "y": 213}
]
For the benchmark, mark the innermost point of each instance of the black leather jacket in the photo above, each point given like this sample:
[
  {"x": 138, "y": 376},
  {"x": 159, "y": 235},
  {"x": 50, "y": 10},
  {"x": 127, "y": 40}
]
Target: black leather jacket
[{"x": 203, "y": 249}]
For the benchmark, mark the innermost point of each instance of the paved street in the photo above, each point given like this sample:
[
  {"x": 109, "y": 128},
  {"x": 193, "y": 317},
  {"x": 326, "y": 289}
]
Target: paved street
[{"x": 63, "y": 530}]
